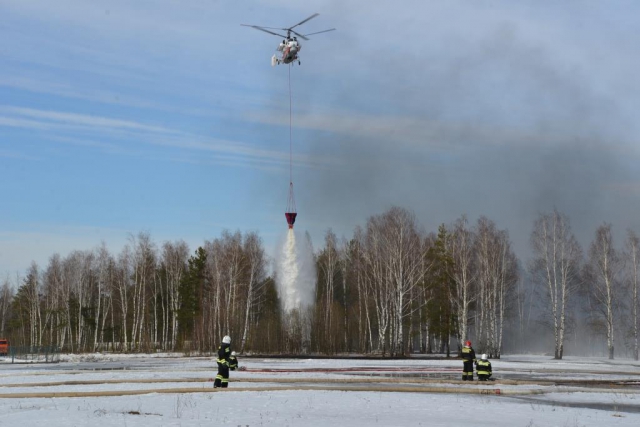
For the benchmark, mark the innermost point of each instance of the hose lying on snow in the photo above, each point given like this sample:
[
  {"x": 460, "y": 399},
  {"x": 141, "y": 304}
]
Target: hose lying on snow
[
  {"x": 357, "y": 380},
  {"x": 365, "y": 388},
  {"x": 405, "y": 389}
]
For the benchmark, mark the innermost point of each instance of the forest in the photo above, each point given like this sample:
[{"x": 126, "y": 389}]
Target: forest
[{"x": 389, "y": 289}]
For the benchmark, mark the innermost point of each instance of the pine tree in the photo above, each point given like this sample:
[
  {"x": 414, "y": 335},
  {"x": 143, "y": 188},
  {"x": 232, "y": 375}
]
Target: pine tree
[
  {"x": 440, "y": 283},
  {"x": 191, "y": 290}
]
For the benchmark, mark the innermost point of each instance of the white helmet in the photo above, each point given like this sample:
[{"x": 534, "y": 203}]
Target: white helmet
[
  {"x": 226, "y": 339},
  {"x": 233, "y": 353},
  {"x": 484, "y": 357}
]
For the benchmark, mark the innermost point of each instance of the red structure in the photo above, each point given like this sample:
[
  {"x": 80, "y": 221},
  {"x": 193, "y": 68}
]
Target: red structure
[
  {"x": 291, "y": 213},
  {"x": 291, "y": 218}
]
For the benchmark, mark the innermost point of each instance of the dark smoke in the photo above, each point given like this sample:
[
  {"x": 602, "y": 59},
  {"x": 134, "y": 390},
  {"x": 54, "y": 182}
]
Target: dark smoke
[{"x": 498, "y": 124}]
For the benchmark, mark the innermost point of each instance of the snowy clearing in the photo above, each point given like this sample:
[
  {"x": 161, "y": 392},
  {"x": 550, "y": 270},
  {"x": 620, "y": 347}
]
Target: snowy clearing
[{"x": 170, "y": 390}]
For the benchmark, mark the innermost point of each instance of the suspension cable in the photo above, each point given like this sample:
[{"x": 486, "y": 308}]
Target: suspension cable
[{"x": 290, "y": 133}]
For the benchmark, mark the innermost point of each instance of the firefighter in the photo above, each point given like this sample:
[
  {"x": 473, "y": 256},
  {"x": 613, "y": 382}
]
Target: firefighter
[
  {"x": 224, "y": 353},
  {"x": 468, "y": 358},
  {"x": 233, "y": 361},
  {"x": 483, "y": 367}
]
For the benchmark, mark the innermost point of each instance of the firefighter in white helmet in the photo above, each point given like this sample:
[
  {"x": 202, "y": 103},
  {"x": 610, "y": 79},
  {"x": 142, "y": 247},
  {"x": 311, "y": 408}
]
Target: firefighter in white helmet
[
  {"x": 483, "y": 367},
  {"x": 233, "y": 361},
  {"x": 224, "y": 353}
]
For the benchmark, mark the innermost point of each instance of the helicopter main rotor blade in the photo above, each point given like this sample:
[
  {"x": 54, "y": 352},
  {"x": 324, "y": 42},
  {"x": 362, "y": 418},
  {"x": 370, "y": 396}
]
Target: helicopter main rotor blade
[
  {"x": 299, "y": 35},
  {"x": 269, "y": 28},
  {"x": 262, "y": 29},
  {"x": 302, "y": 22},
  {"x": 323, "y": 31}
]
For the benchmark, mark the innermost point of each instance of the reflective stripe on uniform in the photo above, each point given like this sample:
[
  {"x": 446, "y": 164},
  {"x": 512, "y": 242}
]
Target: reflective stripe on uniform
[
  {"x": 483, "y": 367},
  {"x": 466, "y": 353}
]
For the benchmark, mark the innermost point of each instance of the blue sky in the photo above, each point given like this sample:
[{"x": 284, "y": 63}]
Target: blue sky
[{"x": 165, "y": 116}]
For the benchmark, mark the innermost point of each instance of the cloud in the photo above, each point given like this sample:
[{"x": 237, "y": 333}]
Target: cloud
[
  {"x": 88, "y": 130},
  {"x": 44, "y": 83},
  {"x": 498, "y": 108},
  {"x": 124, "y": 40},
  {"x": 82, "y": 120}
]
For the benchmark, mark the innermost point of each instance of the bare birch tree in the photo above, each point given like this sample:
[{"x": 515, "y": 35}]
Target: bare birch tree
[
  {"x": 485, "y": 253},
  {"x": 77, "y": 275},
  {"x": 376, "y": 279},
  {"x": 216, "y": 271},
  {"x": 394, "y": 267},
  {"x": 54, "y": 282},
  {"x": 464, "y": 275},
  {"x": 174, "y": 259},
  {"x": 556, "y": 266},
  {"x": 234, "y": 269},
  {"x": 103, "y": 263},
  {"x": 255, "y": 256},
  {"x": 6, "y": 296},
  {"x": 405, "y": 265},
  {"x": 364, "y": 316},
  {"x": 123, "y": 284},
  {"x": 143, "y": 264},
  {"x": 346, "y": 259},
  {"x": 633, "y": 271},
  {"x": 31, "y": 291},
  {"x": 328, "y": 266},
  {"x": 497, "y": 277},
  {"x": 602, "y": 272}
]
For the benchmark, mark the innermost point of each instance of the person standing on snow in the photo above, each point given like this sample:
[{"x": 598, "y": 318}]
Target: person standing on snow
[
  {"x": 483, "y": 367},
  {"x": 224, "y": 353},
  {"x": 468, "y": 357}
]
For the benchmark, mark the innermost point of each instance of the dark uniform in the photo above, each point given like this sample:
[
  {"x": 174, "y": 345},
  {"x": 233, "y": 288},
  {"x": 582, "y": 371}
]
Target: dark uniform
[
  {"x": 224, "y": 353},
  {"x": 468, "y": 357},
  {"x": 483, "y": 367},
  {"x": 233, "y": 363}
]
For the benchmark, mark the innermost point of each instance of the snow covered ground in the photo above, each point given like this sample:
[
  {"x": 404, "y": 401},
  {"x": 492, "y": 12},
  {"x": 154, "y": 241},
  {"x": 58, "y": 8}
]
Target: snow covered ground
[{"x": 170, "y": 390}]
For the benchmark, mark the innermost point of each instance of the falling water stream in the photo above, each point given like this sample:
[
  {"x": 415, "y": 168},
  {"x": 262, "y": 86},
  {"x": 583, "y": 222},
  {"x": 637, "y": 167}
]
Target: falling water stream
[
  {"x": 296, "y": 282},
  {"x": 296, "y": 276}
]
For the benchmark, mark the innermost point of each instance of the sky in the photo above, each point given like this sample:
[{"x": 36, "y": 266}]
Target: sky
[{"x": 118, "y": 117}]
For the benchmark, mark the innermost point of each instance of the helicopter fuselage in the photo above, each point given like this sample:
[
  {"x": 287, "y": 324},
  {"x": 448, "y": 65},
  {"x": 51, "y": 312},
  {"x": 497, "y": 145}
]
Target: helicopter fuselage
[{"x": 289, "y": 51}]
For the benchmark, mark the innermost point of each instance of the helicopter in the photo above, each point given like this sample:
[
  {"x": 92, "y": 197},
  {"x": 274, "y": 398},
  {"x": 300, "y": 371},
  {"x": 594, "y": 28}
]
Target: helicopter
[{"x": 290, "y": 46}]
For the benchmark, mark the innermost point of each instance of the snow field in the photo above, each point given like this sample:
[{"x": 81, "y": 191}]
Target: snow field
[{"x": 305, "y": 400}]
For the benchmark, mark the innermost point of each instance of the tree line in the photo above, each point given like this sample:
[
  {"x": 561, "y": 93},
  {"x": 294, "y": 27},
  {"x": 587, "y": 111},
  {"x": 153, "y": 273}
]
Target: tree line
[{"x": 390, "y": 289}]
